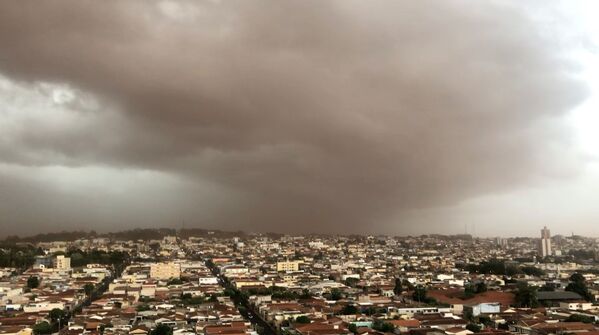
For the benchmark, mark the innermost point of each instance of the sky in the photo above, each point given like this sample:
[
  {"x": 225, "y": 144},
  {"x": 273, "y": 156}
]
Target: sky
[{"x": 376, "y": 117}]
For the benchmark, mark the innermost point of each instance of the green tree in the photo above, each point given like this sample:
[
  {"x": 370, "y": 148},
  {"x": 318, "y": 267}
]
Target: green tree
[
  {"x": 353, "y": 328},
  {"x": 469, "y": 291},
  {"x": 526, "y": 296},
  {"x": 188, "y": 299},
  {"x": 162, "y": 329},
  {"x": 12, "y": 255},
  {"x": 580, "y": 318},
  {"x": 547, "y": 288},
  {"x": 33, "y": 282},
  {"x": 582, "y": 254},
  {"x": 533, "y": 271},
  {"x": 88, "y": 289},
  {"x": 302, "y": 319},
  {"x": 481, "y": 287},
  {"x": 493, "y": 266},
  {"x": 349, "y": 310},
  {"x": 485, "y": 320},
  {"x": 305, "y": 294},
  {"x": 577, "y": 278},
  {"x": 56, "y": 314},
  {"x": 351, "y": 282},
  {"x": 398, "y": 287},
  {"x": 104, "y": 326},
  {"x": 142, "y": 307},
  {"x": 42, "y": 328},
  {"x": 473, "y": 327},
  {"x": 155, "y": 247},
  {"x": 229, "y": 292},
  {"x": 336, "y": 294},
  {"x": 578, "y": 285},
  {"x": 419, "y": 294},
  {"x": 382, "y": 326},
  {"x": 174, "y": 281},
  {"x": 370, "y": 311}
]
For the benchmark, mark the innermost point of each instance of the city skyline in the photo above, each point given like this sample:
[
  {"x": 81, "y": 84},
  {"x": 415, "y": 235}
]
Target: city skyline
[
  {"x": 210, "y": 283},
  {"x": 386, "y": 117},
  {"x": 501, "y": 240}
]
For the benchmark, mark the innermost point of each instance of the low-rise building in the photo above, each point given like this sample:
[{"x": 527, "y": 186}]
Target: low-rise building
[{"x": 165, "y": 270}]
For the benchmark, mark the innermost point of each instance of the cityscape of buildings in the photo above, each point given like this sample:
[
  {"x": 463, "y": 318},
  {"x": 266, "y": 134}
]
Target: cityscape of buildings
[
  {"x": 248, "y": 284},
  {"x": 317, "y": 126}
]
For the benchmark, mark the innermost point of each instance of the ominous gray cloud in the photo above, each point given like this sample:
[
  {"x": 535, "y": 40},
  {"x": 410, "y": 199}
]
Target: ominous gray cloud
[{"x": 309, "y": 115}]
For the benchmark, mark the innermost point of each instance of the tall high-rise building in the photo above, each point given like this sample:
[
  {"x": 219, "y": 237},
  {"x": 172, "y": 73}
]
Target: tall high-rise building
[
  {"x": 545, "y": 243},
  {"x": 501, "y": 242}
]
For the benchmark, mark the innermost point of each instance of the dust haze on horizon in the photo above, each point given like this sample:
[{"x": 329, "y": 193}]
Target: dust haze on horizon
[{"x": 399, "y": 117}]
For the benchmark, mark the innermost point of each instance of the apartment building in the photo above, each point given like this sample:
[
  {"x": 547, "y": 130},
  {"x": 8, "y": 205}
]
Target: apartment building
[
  {"x": 62, "y": 263},
  {"x": 288, "y": 266},
  {"x": 165, "y": 270}
]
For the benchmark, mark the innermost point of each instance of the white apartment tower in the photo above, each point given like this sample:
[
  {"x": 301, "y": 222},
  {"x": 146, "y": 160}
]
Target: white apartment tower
[{"x": 545, "y": 243}]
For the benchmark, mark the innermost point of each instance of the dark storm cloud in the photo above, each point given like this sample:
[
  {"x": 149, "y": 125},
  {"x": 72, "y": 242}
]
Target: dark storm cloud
[{"x": 318, "y": 115}]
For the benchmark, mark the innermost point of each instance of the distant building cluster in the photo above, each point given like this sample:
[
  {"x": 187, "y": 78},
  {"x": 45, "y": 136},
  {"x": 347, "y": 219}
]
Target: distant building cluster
[{"x": 267, "y": 284}]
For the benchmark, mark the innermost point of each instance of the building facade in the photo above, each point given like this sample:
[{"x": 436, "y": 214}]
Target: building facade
[
  {"x": 165, "y": 270},
  {"x": 62, "y": 263},
  {"x": 287, "y": 266}
]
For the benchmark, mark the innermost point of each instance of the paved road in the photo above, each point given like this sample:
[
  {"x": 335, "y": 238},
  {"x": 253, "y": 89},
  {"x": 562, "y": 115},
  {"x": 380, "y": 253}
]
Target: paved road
[
  {"x": 247, "y": 312},
  {"x": 96, "y": 294}
]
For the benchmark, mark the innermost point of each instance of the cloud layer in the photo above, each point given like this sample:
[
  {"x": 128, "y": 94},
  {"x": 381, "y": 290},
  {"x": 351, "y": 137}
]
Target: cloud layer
[{"x": 309, "y": 116}]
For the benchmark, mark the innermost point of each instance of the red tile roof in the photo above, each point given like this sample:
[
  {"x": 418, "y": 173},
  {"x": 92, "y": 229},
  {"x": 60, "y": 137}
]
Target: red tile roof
[{"x": 454, "y": 297}]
